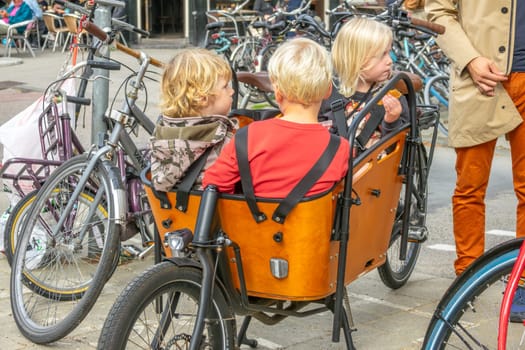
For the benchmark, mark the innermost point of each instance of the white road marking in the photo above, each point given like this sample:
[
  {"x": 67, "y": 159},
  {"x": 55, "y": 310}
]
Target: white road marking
[
  {"x": 452, "y": 248},
  {"x": 501, "y": 233},
  {"x": 370, "y": 299},
  {"x": 408, "y": 309},
  {"x": 443, "y": 247},
  {"x": 261, "y": 342}
]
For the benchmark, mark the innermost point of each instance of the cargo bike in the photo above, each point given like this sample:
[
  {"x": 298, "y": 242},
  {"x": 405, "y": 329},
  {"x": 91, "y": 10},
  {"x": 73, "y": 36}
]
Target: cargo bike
[{"x": 226, "y": 256}]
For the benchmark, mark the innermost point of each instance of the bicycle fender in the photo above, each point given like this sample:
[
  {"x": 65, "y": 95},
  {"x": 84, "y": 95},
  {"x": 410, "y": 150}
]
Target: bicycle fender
[
  {"x": 187, "y": 262},
  {"x": 182, "y": 262},
  {"x": 118, "y": 193}
]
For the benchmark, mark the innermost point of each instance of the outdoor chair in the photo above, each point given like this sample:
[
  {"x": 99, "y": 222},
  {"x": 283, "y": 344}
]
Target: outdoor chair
[
  {"x": 71, "y": 22},
  {"x": 55, "y": 33},
  {"x": 17, "y": 40}
]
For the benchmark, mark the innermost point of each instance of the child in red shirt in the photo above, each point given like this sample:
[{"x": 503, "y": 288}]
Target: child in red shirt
[{"x": 282, "y": 150}]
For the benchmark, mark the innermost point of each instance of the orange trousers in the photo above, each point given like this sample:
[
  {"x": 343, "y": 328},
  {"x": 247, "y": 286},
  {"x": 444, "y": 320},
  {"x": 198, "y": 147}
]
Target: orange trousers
[{"x": 473, "y": 169}]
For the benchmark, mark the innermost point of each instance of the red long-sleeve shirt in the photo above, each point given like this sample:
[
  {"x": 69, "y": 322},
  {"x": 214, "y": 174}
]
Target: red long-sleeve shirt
[{"x": 280, "y": 154}]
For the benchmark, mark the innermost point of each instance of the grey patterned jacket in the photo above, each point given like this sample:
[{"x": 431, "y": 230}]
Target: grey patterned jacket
[{"x": 178, "y": 142}]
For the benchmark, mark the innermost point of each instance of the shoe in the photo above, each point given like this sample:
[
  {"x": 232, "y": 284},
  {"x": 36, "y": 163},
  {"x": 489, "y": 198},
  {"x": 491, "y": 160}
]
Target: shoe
[{"x": 517, "y": 309}]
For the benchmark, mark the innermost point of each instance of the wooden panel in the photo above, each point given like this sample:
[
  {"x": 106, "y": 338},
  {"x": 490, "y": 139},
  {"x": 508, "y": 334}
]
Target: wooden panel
[
  {"x": 305, "y": 245},
  {"x": 168, "y": 220}
]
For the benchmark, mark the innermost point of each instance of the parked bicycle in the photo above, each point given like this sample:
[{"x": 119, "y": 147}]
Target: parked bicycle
[
  {"x": 58, "y": 140},
  {"x": 69, "y": 243},
  {"x": 235, "y": 21},
  {"x": 252, "y": 54},
  {"x": 215, "y": 272},
  {"x": 436, "y": 93},
  {"x": 415, "y": 50},
  {"x": 472, "y": 310},
  {"x": 219, "y": 40}
]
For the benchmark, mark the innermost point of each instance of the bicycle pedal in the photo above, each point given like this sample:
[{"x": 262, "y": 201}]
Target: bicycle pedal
[
  {"x": 146, "y": 252},
  {"x": 418, "y": 235},
  {"x": 147, "y": 244},
  {"x": 130, "y": 251}
]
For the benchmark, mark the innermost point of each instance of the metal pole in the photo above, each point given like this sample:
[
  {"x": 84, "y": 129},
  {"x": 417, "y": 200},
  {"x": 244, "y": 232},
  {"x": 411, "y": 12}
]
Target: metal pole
[
  {"x": 198, "y": 13},
  {"x": 101, "y": 84}
]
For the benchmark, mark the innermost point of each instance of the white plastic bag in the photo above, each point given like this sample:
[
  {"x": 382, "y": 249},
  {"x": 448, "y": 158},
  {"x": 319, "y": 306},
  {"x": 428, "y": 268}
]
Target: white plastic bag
[{"x": 24, "y": 126}]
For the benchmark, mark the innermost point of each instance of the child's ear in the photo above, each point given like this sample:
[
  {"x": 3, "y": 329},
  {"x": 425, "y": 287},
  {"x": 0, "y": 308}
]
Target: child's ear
[
  {"x": 203, "y": 100},
  {"x": 278, "y": 95}
]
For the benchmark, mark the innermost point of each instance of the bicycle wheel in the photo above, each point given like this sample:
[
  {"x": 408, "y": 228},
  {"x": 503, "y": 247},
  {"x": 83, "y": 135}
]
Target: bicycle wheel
[
  {"x": 468, "y": 314},
  {"x": 266, "y": 54},
  {"x": 145, "y": 222},
  {"x": 244, "y": 59},
  {"x": 141, "y": 218},
  {"x": 58, "y": 272},
  {"x": 395, "y": 272},
  {"x": 436, "y": 93},
  {"x": 158, "y": 309},
  {"x": 220, "y": 50},
  {"x": 14, "y": 223}
]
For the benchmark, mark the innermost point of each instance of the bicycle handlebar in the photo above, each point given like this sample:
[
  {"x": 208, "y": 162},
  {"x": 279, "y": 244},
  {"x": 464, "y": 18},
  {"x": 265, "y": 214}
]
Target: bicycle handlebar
[
  {"x": 72, "y": 6},
  {"x": 114, "y": 21},
  {"x": 394, "y": 11},
  {"x": 109, "y": 3},
  {"x": 437, "y": 28},
  {"x": 297, "y": 10},
  {"x": 99, "y": 33},
  {"x": 96, "y": 31},
  {"x": 129, "y": 27},
  {"x": 113, "y": 3}
]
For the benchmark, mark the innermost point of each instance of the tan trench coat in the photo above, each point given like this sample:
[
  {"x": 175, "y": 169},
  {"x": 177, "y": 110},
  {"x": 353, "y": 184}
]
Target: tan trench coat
[{"x": 476, "y": 28}]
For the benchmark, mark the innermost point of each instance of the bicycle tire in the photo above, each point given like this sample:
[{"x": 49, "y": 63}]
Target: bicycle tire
[
  {"x": 395, "y": 272},
  {"x": 219, "y": 50},
  {"x": 57, "y": 278},
  {"x": 137, "y": 315},
  {"x": 14, "y": 223},
  {"x": 436, "y": 92},
  {"x": 244, "y": 59},
  {"x": 141, "y": 219},
  {"x": 468, "y": 313},
  {"x": 266, "y": 54}
]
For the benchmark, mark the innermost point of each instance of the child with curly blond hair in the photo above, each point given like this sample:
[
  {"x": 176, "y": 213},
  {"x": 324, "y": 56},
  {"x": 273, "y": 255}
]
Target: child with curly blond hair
[{"x": 196, "y": 96}]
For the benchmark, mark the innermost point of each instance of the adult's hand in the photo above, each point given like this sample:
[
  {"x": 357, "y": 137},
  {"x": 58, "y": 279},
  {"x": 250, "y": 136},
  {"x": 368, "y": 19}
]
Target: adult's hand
[{"x": 485, "y": 75}]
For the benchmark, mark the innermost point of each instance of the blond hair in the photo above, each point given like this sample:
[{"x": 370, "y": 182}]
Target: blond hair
[
  {"x": 359, "y": 40},
  {"x": 301, "y": 70},
  {"x": 188, "y": 81}
]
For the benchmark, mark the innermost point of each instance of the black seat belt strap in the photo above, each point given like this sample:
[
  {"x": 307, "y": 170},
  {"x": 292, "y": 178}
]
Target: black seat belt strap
[
  {"x": 184, "y": 186},
  {"x": 241, "y": 148},
  {"x": 338, "y": 110},
  {"x": 370, "y": 126},
  {"x": 306, "y": 183}
]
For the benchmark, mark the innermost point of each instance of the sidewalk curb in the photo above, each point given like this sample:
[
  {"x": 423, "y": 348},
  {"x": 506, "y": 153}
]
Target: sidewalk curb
[{"x": 10, "y": 61}]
